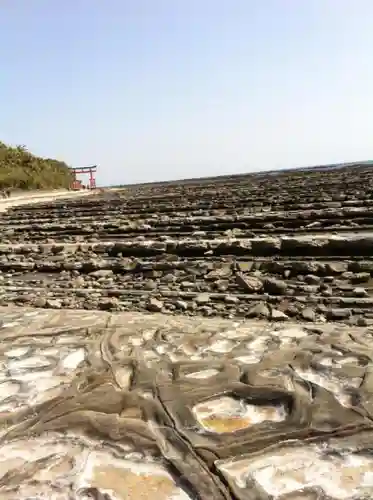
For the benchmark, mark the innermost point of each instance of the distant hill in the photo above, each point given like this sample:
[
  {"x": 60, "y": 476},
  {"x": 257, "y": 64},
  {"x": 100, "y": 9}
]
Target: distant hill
[{"x": 19, "y": 169}]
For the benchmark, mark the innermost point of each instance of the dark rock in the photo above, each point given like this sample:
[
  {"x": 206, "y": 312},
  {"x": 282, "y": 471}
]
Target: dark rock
[
  {"x": 266, "y": 246},
  {"x": 338, "y": 314},
  {"x": 360, "y": 278},
  {"x": 306, "y": 267},
  {"x": 154, "y": 305},
  {"x": 207, "y": 311},
  {"x": 361, "y": 322},
  {"x": 312, "y": 279},
  {"x": 301, "y": 246},
  {"x": 181, "y": 304},
  {"x": 274, "y": 286},
  {"x": 292, "y": 310},
  {"x": 362, "y": 266},
  {"x": 329, "y": 279}
]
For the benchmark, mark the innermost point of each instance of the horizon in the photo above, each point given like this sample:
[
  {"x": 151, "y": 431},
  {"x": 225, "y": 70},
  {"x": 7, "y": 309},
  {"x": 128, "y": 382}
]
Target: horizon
[
  {"x": 254, "y": 172},
  {"x": 152, "y": 91}
]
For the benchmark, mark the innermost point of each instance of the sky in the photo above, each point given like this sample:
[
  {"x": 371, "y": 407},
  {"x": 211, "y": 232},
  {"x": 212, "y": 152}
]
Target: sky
[{"x": 165, "y": 89}]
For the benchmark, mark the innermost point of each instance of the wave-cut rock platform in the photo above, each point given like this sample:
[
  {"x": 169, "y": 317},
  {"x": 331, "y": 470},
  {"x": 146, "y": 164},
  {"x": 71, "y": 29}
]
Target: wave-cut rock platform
[
  {"x": 208, "y": 339},
  {"x": 135, "y": 406}
]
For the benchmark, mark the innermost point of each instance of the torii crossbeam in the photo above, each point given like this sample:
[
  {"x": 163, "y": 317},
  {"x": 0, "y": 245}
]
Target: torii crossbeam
[{"x": 84, "y": 170}]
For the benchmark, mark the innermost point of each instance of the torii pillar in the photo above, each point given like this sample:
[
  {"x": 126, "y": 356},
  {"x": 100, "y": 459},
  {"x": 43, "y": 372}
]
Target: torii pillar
[{"x": 85, "y": 170}]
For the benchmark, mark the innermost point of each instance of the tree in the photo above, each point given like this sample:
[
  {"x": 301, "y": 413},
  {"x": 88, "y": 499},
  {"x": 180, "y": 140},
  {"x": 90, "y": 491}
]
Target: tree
[{"x": 20, "y": 169}]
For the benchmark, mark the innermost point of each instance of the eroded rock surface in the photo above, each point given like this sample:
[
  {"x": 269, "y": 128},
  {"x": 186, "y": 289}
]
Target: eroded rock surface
[
  {"x": 284, "y": 245},
  {"x": 131, "y": 406}
]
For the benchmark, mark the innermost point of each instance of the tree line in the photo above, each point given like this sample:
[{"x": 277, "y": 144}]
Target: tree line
[{"x": 20, "y": 169}]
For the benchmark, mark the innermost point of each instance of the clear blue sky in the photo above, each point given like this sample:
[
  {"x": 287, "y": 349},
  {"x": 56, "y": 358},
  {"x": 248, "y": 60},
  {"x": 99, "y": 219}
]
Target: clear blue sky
[{"x": 159, "y": 89}]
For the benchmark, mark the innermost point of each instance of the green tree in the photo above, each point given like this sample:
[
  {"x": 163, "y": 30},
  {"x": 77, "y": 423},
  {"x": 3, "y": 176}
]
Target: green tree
[{"x": 20, "y": 169}]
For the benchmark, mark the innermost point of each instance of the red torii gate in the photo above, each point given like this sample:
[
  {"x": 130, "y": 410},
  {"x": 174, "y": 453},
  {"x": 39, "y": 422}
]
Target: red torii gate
[{"x": 77, "y": 184}]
